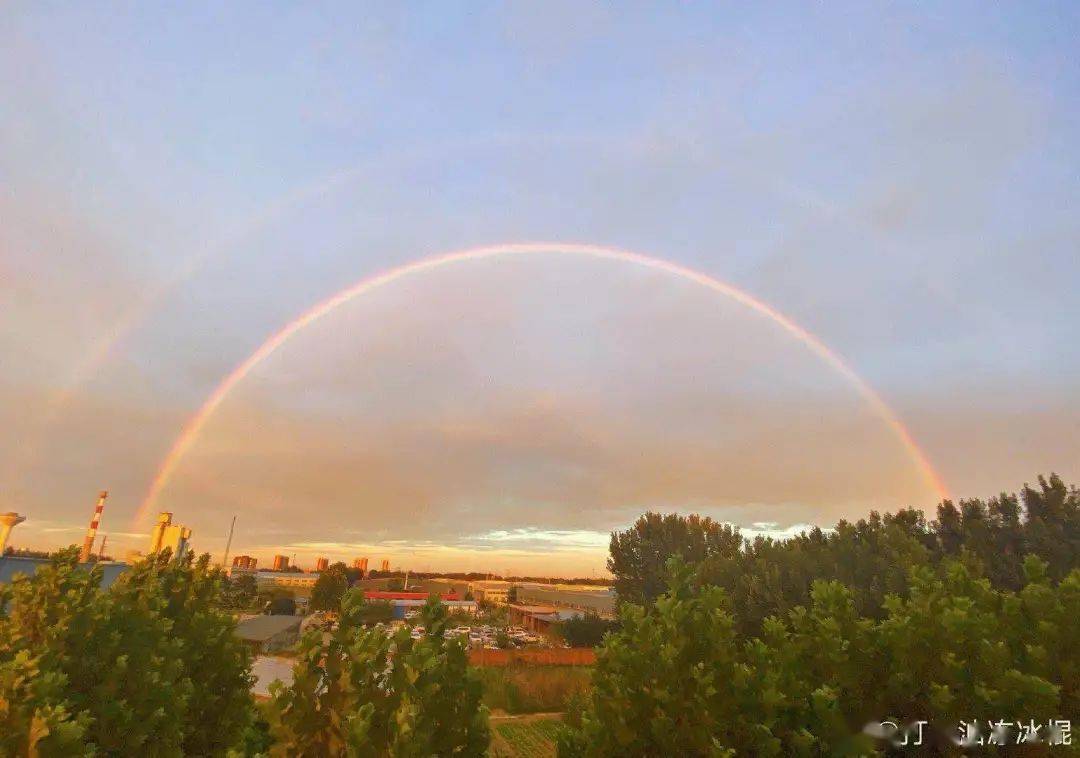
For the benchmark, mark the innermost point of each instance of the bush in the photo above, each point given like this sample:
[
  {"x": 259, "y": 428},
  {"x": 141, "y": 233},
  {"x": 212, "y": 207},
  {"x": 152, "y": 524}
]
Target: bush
[{"x": 587, "y": 630}]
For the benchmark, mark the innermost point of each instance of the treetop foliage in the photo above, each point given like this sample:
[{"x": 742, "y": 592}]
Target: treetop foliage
[
  {"x": 330, "y": 587},
  {"x": 679, "y": 679},
  {"x": 585, "y": 630},
  {"x": 364, "y": 693},
  {"x": 873, "y": 556},
  {"x": 149, "y": 665}
]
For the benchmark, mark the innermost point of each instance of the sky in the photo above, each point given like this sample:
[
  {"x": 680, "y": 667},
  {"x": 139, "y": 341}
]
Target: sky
[{"x": 179, "y": 183}]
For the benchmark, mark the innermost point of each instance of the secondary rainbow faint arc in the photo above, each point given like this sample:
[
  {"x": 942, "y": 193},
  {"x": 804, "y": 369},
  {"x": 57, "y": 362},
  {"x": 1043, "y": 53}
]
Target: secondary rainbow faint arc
[{"x": 195, "y": 424}]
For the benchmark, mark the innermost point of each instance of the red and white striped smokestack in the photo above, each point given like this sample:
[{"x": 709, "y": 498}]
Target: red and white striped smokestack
[{"x": 91, "y": 533}]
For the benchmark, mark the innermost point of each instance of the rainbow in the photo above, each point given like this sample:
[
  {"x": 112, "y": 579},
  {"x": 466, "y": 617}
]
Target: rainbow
[{"x": 195, "y": 424}]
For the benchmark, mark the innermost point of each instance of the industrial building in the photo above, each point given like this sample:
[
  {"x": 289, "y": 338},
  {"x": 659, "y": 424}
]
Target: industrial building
[
  {"x": 491, "y": 591},
  {"x": 245, "y": 563},
  {"x": 10, "y": 565},
  {"x": 293, "y": 580},
  {"x": 266, "y": 634},
  {"x": 404, "y": 602},
  {"x": 389, "y": 595},
  {"x": 322, "y": 564},
  {"x": 540, "y": 618},
  {"x": 590, "y": 599},
  {"x": 166, "y": 534},
  {"x": 281, "y": 562}
]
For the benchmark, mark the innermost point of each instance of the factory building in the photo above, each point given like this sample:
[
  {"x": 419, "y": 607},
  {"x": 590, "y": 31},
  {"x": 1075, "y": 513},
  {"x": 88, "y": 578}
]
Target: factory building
[
  {"x": 245, "y": 563},
  {"x": 293, "y": 580},
  {"x": 267, "y": 634},
  {"x": 166, "y": 534},
  {"x": 494, "y": 592}
]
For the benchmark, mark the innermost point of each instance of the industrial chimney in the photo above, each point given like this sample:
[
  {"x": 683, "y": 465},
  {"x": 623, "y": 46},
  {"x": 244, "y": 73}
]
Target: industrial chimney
[{"x": 91, "y": 533}]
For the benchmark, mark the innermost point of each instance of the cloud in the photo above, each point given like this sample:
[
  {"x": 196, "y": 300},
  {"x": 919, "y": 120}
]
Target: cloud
[{"x": 906, "y": 199}]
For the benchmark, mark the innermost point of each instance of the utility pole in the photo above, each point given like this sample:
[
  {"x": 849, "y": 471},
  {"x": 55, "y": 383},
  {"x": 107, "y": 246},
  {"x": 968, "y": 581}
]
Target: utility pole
[
  {"x": 91, "y": 533},
  {"x": 228, "y": 544}
]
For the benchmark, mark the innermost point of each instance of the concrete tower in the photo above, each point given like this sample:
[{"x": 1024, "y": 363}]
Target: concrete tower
[{"x": 7, "y": 522}]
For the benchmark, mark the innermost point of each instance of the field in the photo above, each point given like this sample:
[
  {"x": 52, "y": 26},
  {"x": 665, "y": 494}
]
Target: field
[
  {"x": 524, "y": 737},
  {"x": 521, "y": 689}
]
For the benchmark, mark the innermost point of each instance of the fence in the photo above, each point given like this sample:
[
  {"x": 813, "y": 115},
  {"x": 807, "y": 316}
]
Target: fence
[{"x": 559, "y": 656}]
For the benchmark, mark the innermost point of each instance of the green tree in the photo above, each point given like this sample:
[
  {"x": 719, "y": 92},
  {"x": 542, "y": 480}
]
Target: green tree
[
  {"x": 120, "y": 667},
  {"x": 283, "y": 606},
  {"x": 186, "y": 594},
  {"x": 148, "y": 665},
  {"x": 329, "y": 588},
  {"x": 35, "y": 715},
  {"x": 679, "y": 679},
  {"x": 364, "y": 693},
  {"x": 239, "y": 591},
  {"x": 376, "y": 612},
  {"x": 665, "y": 684},
  {"x": 585, "y": 630},
  {"x": 638, "y": 556}
]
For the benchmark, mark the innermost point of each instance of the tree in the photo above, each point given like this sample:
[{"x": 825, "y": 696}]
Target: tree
[
  {"x": 329, "y": 588},
  {"x": 375, "y": 612},
  {"x": 34, "y": 714},
  {"x": 363, "y": 693},
  {"x": 186, "y": 593},
  {"x": 667, "y": 683},
  {"x": 148, "y": 664},
  {"x": 639, "y": 555},
  {"x": 282, "y": 606},
  {"x": 239, "y": 591},
  {"x": 678, "y": 678},
  {"x": 585, "y": 630}
]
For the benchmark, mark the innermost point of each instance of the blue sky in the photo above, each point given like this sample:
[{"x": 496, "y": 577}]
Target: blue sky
[{"x": 901, "y": 179}]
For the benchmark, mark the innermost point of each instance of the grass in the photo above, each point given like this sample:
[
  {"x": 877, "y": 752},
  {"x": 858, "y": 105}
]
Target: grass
[
  {"x": 532, "y": 689},
  {"x": 531, "y": 738}
]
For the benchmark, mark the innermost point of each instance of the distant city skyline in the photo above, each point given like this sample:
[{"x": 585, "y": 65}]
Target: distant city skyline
[{"x": 898, "y": 184}]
